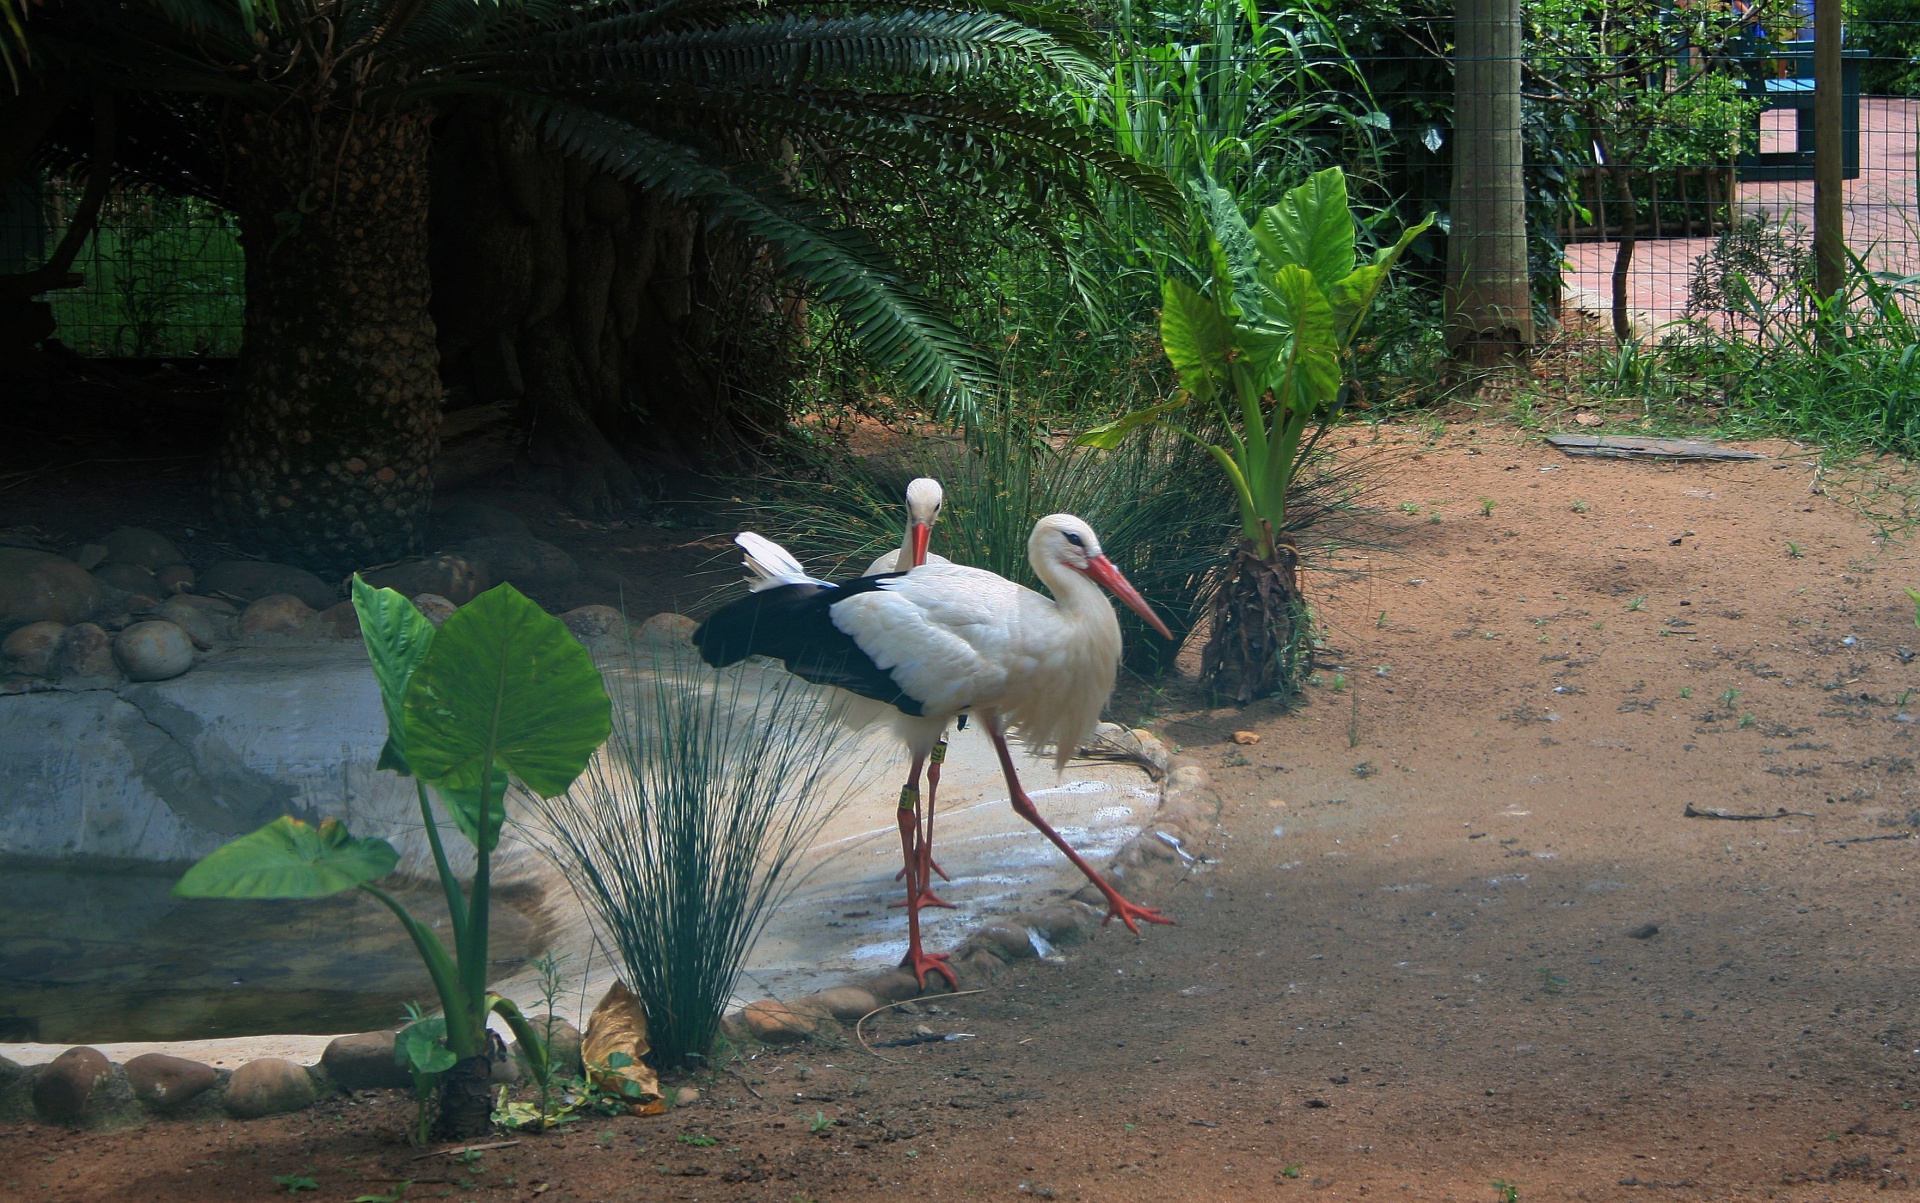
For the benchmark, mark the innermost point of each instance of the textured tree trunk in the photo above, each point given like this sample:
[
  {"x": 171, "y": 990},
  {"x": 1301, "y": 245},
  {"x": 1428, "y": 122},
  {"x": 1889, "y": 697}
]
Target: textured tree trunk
[
  {"x": 1258, "y": 646},
  {"x": 613, "y": 321},
  {"x": 1489, "y": 308},
  {"x": 327, "y": 458},
  {"x": 466, "y": 1099}
]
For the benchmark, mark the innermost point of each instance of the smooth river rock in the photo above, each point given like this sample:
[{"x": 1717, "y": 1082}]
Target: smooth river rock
[
  {"x": 275, "y": 614},
  {"x": 162, "y": 1082},
  {"x": 86, "y": 654},
  {"x": 33, "y": 649},
  {"x": 154, "y": 650},
  {"x": 70, "y": 1081},
  {"x": 38, "y": 586},
  {"x": 251, "y": 580},
  {"x": 365, "y": 1061},
  {"x": 269, "y": 1086},
  {"x": 140, "y": 547}
]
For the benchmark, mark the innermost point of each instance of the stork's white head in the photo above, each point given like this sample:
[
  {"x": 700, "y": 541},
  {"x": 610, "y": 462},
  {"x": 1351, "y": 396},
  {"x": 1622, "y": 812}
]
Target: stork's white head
[
  {"x": 923, "y": 510},
  {"x": 1068, "y": 542}
]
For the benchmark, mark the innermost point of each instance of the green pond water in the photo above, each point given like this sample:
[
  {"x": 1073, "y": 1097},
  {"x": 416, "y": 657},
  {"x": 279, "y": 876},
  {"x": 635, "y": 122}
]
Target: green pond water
[{"x": 100, "y": 957}]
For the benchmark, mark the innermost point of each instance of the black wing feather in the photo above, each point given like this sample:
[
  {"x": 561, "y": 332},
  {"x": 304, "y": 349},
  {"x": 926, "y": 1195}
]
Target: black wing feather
[{"x": 794, "y": 624}]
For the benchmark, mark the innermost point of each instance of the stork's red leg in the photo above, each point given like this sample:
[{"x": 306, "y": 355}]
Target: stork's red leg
[
  {"x": 918, "y": 855},
  {"x": 918, "y": 959},
  {"x": 938, "y": 758},
  {"x": 1117, "y": 907}
]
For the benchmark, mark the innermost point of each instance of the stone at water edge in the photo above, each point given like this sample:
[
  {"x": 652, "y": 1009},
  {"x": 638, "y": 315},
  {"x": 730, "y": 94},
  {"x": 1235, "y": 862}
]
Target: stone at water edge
[
  {"x": 667, "y": 629},
  {"x": 203, "y": 626},
  {"x": 129, "y": 578},
  {"x": 86, "y": 654},
  {"x": 38, "y": 586},
  {"x": 161, "y": 1081},
  {"x": 251, "y": 580},
  {"x": 594, "y": 622},
  {"x": 437, "y": 609},
  {"x": 458, "y": 577},
  {"x": 88, "y": 556},
  {"x": 154, "y": 650},
  {"x": 1009, "y": 941},
  {"x": 63, "y": 1089},
  {"x": 563, "y": 1044},
  {"x": 365, "y": 1061},
  {"x": 772, "y": 1022},
  {"x": 138, "y": 546},
  {"x": 275, "y": 614},
  {"x": 175, "y": 578},
  {"x": 33, "y": 649},
  {"x": 338, "y": 621},
  {"x": 844, "y": 1004},
  {"x": 269, "y": 1086}
]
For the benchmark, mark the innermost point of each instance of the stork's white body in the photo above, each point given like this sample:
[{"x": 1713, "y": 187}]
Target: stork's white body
[{"x": 963, "y": 639}]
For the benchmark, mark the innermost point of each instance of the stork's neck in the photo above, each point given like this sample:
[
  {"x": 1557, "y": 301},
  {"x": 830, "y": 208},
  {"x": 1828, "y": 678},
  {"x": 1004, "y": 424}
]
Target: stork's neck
[{"x": 1075, "y": 594}]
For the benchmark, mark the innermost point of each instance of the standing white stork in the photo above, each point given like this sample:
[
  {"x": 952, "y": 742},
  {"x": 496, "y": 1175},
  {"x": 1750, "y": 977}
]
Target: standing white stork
[
  {"x": 771, "y": 566},
  {"x": 939, "y": 641}
]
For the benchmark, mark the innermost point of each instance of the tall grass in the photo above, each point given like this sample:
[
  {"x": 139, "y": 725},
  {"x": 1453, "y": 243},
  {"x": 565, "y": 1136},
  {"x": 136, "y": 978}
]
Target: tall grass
[{"x": 683, "y": 834}]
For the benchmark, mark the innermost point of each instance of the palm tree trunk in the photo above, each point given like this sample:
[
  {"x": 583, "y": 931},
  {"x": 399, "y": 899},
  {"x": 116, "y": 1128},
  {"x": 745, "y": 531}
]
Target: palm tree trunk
[
  {"x": 327, "y": 457},
  {"x": 1623, "y": 257}
]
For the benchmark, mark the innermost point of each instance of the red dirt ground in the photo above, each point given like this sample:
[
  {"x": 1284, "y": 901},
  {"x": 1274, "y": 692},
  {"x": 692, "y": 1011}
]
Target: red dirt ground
[{"x": 1411, "y": 975}]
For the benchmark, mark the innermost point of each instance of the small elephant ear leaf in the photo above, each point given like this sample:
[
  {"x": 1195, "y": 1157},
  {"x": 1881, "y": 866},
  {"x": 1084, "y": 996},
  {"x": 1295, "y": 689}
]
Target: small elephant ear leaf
[
  {"x": 506, "y": 685},
  {"x": 397, "y": 636},
  {"x": 289, "y": 859}
]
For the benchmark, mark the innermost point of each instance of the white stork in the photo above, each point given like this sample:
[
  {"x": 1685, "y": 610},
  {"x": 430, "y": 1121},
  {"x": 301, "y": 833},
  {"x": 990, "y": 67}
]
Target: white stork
[
  {"x": 924, "y": 498},
  {"x": 943, "y": 640}
]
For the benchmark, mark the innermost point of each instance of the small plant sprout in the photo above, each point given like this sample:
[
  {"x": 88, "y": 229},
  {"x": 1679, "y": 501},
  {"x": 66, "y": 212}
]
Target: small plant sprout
[
  {"x": 1381, "y": 670},
  {"x": 1380, "y": 623},
  {"x": 1339, "y": 682},
  {"x": 1291, "y": 1171},
  {"x": 700, "y": 1140},
  {"x": 1509, "y": 1191},
  {"x": 1914, "y": 594},
  {"x": 1746, "y": 720},
  {"x": 1795, "y": 550},
  {"x": 1486, "y": 507},
  {"x": 1579, "y": 507},
  {"x": 820, "y": 1122},
  {"x": 1409, "y": 507},
  {"x": 1638, "y": 603},
  {"x": 1728, "y": 697},
  {"x": 295, "y": 1183},
  {"x": 1434, "y": 517},
  {"x": 1550, "y": 982},
  {"x": 1686, "y": 691}
]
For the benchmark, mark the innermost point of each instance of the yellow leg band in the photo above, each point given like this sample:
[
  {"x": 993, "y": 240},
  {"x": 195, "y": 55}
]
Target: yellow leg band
[
  {"x": 909, "y": 798},
  {"x": 939, "y": 753}
]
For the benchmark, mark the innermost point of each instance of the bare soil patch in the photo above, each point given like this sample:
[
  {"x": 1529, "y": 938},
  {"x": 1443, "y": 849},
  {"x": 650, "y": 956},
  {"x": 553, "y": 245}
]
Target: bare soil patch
[{"x": 1424, "y": 962}]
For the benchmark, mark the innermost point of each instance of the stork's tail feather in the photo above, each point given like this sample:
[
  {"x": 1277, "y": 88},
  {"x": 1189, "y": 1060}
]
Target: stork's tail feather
[{"x": 770, "y": 563}]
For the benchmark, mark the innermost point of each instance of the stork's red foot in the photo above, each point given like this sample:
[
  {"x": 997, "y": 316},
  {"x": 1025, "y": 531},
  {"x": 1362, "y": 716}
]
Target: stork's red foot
[
  {"x": 923, "y": 963},
  {"x": 1119, "y": 908}
]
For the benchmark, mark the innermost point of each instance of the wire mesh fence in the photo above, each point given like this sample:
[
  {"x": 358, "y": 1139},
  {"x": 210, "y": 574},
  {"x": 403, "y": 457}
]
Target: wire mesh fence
[{"x": 163, "y": 275}]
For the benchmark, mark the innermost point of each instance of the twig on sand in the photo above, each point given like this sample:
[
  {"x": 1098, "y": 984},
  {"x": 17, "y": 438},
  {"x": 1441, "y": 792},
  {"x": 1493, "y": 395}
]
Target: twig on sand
[
  {"x": 1873, "y": 839},
  {"x": 743, "y": 1081},
  {"x": 1715, "y": 812},
  {"x": 857, "y": 1035},
  {"x": 455, "y": 1152}
]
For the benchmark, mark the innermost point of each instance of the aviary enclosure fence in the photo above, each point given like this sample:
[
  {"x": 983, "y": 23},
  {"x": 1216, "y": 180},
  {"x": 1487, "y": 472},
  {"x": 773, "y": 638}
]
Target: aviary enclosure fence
[{"x": 1702, "y": 156}]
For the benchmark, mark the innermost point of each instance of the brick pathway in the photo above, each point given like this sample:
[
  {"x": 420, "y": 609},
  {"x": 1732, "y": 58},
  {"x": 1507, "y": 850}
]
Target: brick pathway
[{"x": 1883, "y": 220}]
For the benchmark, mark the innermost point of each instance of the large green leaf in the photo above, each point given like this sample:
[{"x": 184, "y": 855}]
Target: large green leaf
[
  {"x": 1353, "y": 295},
  {"x": 421, "y": 1047},
  {"x": 505, "y": 684},
  {"x": 463, "y": 807},
  {"x": 397, "y": 636},
  {"x": 1311, "y": 227},
  {"x": 1314, "y": 355},
  {"x": 1109, "y": 435},
  {"x": 289, "y": 859},
  {"x": 1198, "y": 339}
]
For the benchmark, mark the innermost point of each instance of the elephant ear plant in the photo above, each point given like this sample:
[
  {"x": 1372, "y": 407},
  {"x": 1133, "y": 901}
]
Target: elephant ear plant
[
  {"x": 1261, "y": 350},
  {"x": 501, "y": 691}
]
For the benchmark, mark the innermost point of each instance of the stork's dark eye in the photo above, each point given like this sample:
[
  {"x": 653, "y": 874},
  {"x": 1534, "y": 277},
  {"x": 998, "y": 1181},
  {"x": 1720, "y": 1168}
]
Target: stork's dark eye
[{"x": 1075, "y": 540}]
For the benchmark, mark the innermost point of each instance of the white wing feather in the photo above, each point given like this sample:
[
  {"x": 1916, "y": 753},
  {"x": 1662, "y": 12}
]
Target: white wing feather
[{"x": 770, "y": 564}]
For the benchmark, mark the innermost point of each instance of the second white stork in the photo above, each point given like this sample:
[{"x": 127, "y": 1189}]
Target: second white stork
[{"x": 940, "y": 641}]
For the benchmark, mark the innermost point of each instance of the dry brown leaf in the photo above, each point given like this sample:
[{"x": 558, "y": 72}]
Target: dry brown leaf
[
  {"x": 618, "y": 1025},
  {"x": 1246, "y": 738},
  {"x": 1588, "y": 419}
]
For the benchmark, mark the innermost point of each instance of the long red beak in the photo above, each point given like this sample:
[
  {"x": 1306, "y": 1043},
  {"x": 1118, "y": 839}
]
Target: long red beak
[
  {"x": 922, "y": 535},
  {"x": 1101, "y": 569}
]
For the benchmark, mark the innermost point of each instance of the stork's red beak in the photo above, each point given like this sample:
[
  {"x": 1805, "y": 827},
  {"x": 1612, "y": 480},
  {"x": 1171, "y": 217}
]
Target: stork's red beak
[
  {"x": 1101, "y": 569},
  {"x": 922, "y": 534}
]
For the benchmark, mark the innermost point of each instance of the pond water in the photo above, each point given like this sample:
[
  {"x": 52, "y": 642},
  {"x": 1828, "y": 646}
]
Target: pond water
[{"x": 103, "y": 957}]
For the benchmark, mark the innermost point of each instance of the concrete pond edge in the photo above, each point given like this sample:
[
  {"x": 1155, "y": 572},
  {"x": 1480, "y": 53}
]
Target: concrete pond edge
[{"x": 82, "y": 1088}]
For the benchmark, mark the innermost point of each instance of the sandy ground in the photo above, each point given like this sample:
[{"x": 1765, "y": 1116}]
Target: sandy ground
[{"x": 1424, "y": 964}]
